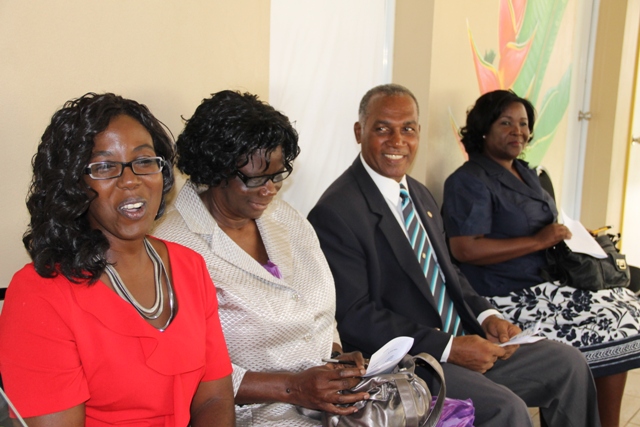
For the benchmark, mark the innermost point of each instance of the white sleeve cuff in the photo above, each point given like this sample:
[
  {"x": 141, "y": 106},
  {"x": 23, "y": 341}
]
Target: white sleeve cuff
[
  {"x": 491, "y": 312},
  {"x": 447, "y": 351}
]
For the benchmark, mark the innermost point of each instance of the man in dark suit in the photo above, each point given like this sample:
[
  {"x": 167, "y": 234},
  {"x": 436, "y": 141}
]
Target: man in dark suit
[{"x": 385, "y": 283}]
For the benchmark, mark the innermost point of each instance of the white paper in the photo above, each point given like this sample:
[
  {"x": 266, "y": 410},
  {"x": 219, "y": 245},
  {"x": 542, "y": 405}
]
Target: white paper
[
  {"x": 385, "y": 359},
  {"x": 527, "y": 336},
  {"x": 581, "y": 241}
]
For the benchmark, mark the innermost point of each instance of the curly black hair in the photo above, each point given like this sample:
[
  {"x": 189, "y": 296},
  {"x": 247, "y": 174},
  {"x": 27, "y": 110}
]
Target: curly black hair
[
  {"x": 225, "y": 130},
  {"x": 59, "y": 238},
  {"x": 485, "y": 112}
]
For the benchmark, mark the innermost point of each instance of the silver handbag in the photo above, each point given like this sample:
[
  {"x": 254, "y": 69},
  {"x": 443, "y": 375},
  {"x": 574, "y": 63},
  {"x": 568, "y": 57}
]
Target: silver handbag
[{"x": 399, "y": 398}]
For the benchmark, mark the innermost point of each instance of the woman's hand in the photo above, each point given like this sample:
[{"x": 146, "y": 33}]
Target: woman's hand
[
  {"x": 318, "y": 388},
  {"x": 321, "y": 387},
  {"x": 481, "y": 250},
  {"x": 353, "y": 359},
  {"x": 552, "y": 234}
]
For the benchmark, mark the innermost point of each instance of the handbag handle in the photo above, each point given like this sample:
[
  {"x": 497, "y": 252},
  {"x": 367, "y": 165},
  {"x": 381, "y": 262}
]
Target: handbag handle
[
  {"x": 434, "y": 415},
  {"x": 408, "y": 403}
]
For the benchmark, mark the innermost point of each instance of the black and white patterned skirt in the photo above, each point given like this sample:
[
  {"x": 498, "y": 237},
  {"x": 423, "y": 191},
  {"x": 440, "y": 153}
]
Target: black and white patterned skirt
[{"x": 604, "y": 325}]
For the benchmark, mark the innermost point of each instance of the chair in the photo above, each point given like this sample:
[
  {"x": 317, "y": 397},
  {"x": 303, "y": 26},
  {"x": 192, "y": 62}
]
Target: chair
[
  {"x": 634, "y": 284},
  {"x": 545, "y": 181},
  {"x": 4, "y": 411}
]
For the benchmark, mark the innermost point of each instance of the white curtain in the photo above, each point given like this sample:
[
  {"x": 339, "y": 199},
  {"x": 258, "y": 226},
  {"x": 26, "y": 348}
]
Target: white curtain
[{"x": 324, "y": 55}]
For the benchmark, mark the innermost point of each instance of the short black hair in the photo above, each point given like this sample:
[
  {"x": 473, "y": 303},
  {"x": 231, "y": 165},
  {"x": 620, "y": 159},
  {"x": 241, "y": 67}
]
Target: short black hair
[
  {"x": 389, "y": 89},
  {"x": 226, "y": 130},
  {"x": 487, "y": 109},
  {"x": 59, "y": 238}
]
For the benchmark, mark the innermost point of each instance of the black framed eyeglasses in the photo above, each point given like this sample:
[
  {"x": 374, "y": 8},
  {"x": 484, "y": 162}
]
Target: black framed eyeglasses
[
  {"x": 108, "y": 170},
  {"x": 259, "y": 181}
]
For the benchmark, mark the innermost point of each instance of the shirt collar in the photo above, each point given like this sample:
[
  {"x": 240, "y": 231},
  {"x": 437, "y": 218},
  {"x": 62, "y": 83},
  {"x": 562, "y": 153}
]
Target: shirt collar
[
  {"x": 193, "y": 211},
  {"x": 389, "y": 187}
]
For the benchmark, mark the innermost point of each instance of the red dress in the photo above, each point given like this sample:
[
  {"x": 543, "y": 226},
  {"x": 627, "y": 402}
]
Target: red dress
[{"x": 63, "y": 344}]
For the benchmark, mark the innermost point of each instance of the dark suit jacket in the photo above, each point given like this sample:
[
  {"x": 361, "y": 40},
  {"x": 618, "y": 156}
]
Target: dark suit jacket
[{"x": 381, "y": 290}]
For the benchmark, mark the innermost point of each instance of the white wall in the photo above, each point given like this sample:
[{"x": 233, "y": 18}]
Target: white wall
[
  {"x": 167, "y": 54},
  {"x": 324, "y": 56}
]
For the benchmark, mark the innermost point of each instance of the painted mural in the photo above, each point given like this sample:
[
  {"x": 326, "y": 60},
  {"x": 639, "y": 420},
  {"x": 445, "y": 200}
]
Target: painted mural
[{"x": 527, "y": 32}]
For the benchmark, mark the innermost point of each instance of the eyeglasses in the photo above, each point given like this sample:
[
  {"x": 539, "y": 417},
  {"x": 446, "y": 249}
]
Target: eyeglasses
[
  {"x": 108, "y": 170},
  {"x": 259, "y": 181}
]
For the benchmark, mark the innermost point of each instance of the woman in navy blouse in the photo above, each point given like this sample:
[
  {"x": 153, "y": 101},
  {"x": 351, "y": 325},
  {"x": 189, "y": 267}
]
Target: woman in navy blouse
[{"x": 499, "y": 221}]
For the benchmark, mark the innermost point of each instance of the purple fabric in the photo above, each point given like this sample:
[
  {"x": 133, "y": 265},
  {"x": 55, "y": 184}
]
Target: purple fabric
[
  {"x": 273, "y": 269},
  {"x": 456, "y": 413}
]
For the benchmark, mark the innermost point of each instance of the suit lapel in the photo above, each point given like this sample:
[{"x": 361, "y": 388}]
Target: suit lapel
[{"x": 391, "y": 230}]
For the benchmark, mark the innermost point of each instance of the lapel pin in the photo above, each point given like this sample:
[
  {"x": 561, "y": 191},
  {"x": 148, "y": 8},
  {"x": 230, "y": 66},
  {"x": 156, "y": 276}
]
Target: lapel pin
[{"x": 430, "y": 214}]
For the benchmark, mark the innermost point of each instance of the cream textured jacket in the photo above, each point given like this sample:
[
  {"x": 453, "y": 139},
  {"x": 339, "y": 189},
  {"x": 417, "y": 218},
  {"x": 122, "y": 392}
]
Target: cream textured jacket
[{"x": 270, "y": 324}]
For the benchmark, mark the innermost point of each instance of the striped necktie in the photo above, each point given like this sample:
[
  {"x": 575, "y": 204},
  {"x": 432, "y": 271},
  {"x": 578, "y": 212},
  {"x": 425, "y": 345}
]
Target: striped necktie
[{"x": 427, "y": 258}]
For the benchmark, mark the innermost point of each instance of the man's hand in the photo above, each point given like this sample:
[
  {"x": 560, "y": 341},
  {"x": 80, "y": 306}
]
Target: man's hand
[
  {"x": 475, "y": 353},
  {"x": 499, "y": 330}
]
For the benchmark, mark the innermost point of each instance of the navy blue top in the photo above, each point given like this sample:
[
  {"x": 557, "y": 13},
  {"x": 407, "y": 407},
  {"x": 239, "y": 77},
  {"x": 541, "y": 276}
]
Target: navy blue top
[{"x": 484, "y": 198}]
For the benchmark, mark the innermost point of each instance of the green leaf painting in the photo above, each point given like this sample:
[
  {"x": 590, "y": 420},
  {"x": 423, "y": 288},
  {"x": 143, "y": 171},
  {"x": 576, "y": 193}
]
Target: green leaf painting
[
  {"x": 527, "y": 35},
  {"x": 550, "y": 113}
]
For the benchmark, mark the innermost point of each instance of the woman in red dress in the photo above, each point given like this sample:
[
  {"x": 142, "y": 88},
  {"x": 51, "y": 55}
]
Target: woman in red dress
[{"x": 106, "y": 325}]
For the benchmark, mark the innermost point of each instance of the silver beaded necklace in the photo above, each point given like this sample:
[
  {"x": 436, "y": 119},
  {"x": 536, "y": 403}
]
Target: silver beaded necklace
[{"x": 156, "y": 310}]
